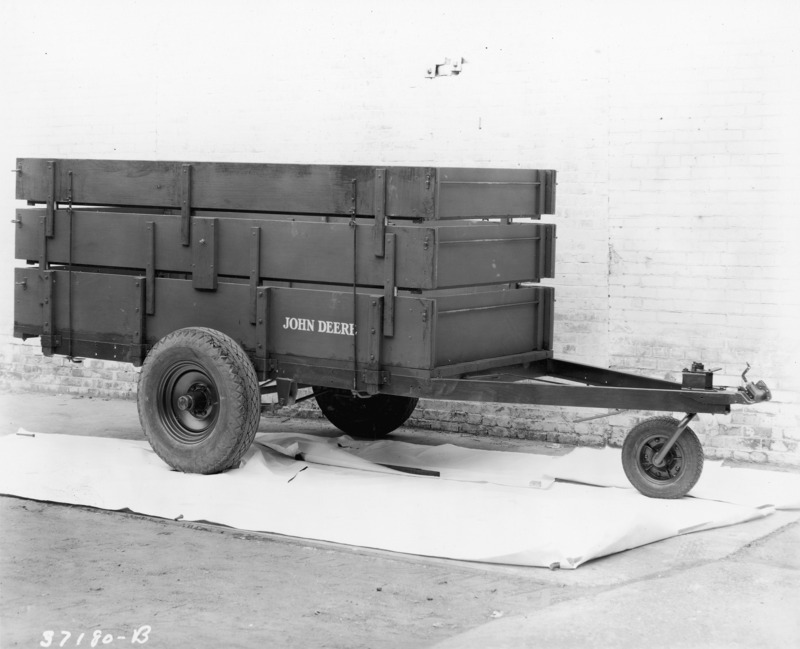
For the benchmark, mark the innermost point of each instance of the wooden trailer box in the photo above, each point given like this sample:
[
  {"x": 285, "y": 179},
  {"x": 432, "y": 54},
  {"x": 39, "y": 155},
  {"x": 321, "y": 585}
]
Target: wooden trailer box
[{"x": 374, "y": 286}]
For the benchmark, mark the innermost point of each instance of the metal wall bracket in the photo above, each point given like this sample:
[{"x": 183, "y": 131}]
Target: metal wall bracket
[
  {"x": 446, "y": 68},
  {"x": 371, "y": 378},
  {"x": 287, "y": 392}
]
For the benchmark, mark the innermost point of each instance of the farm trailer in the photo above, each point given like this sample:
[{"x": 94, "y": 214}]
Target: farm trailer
[{"x": 375, "y": 286}]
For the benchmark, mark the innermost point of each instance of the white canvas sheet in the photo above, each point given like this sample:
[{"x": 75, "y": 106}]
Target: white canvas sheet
[
  {"x": 363, "y": 504},
  {"x": 599, "y": 467}
]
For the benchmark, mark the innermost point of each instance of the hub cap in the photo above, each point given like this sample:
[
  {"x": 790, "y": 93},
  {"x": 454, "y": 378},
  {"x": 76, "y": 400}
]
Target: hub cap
[
  {"x": 669, "y": 469},
  {"x": 188, "y": 402}
]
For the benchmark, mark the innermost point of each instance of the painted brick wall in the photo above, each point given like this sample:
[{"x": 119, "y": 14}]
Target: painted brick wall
[{"x": 673, "y": 129}]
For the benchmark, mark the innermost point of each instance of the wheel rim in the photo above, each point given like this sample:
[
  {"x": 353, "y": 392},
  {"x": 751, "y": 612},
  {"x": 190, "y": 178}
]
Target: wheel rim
[
  {"x": 188, "y": 402},
  {"x": 672, "y": 466}
]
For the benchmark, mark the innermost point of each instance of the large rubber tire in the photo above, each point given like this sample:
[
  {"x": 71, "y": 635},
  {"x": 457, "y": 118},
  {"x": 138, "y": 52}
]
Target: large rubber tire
[
  {"x": 366, "y": 418},
  {"x": 682, "y": 466},
  {"x": 199, "y": 401}
]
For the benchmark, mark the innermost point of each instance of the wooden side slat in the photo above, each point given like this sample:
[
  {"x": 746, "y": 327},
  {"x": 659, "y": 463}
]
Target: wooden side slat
[
  {"x": 298, "y": 189},
  {"x": 312, "y": 324},
  {"x": 425, "y": 257}
]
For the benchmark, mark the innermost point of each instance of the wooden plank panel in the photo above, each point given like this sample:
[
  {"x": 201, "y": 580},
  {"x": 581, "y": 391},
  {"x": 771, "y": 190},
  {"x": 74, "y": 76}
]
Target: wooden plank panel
[
  {"x": 316, "y": 189},
  {"x": 178, "y": 305},
  {"x": 489, "y": 332},
  {"x": 492, "y": 193},
  {"x": 303, "y": 251},
  {"x": 482, "y": 325},
  {"x": 236, "y": 186},
  {"x": 319, "y": 324},
  {"x": 204, "y": 253},
  {"x": 106, "y": 239},
  {"x": 291, "y": 188},
  {"x": 300, "y": 323},
  {"x": 499, "y": 254},
  {"x": 28, "y": 297},
  {"x": 104, "y": 306},
  {"x": 410, "y": 193}
]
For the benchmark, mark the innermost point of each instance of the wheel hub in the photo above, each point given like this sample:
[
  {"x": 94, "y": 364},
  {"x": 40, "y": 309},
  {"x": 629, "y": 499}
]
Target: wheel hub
[
  {"x": 185, "y": 402},
  {"x": 197, "y": 401},
  {"x": 668, "y": 468},
  {"x": 189, "y": 402}
]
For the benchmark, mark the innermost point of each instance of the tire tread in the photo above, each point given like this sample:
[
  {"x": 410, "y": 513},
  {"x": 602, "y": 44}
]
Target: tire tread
[
  {"x": 694, "y": 459},
  {"x": 230, "y": 358}
]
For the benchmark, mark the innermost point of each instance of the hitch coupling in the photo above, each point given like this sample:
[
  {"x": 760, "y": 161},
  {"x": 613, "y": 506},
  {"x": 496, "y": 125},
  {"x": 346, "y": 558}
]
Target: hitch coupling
[{"x": 757, "y": 391}]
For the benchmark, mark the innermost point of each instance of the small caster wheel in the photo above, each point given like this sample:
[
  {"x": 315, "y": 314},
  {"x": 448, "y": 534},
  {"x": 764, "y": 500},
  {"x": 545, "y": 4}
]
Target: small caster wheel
[{"x": 681, "y": 468}]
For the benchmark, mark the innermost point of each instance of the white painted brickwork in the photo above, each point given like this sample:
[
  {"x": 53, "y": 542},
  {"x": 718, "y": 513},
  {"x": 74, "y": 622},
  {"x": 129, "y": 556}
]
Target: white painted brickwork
[{"x": 673, "y": 126}]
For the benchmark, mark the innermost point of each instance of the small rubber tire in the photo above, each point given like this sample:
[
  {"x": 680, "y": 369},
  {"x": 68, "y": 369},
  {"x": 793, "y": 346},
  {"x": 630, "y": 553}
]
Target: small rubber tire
[
  {"x": 364, "y": 417},
  {"x": 682, "y": 466},
  {"x": 199, "y": 402}
]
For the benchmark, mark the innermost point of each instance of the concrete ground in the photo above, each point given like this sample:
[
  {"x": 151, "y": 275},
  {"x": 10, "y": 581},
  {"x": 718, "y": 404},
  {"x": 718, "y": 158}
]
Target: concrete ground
[{"x": 120, "y": 578}]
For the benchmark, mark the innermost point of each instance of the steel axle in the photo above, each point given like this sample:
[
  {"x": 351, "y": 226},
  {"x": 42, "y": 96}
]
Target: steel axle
[{"x": 658, "y": 460}]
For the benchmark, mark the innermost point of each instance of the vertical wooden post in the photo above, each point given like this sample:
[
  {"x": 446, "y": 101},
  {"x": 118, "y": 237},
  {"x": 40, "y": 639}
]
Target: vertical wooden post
[
  {"x": 43, "y": 243},
  {"x": 49, "y": 339},
  {"x": 138, "y": 341},
  {"x": 262, "y": 329},
  {"x": 150, "y": 268},
  {"x": 389, "y": 287},
  {"x": 255, "y": 271},
  {"x": 186, "y": 204},
  {"x": 51, "y": 199},
  {"x": 378, "y": 242}
]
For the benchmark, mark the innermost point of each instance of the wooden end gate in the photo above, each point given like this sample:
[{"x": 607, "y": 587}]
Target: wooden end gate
[{"x": 376, "y": 286}]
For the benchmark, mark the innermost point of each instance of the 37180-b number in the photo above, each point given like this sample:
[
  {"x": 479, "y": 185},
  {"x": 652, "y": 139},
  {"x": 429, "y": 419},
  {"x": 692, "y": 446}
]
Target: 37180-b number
[{"x": 96, "y": 638}]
